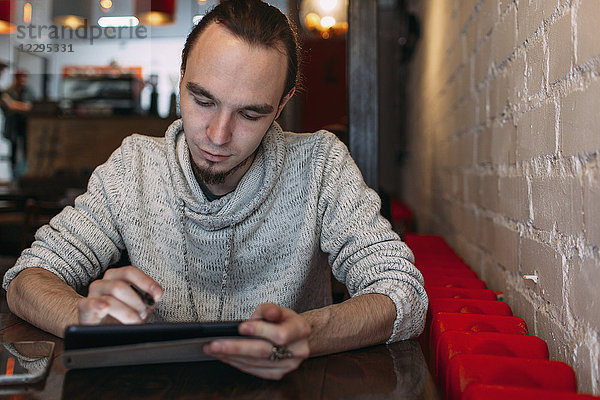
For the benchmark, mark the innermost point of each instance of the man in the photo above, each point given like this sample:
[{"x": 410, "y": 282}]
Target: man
[
  {"x": 16, "y": 104},
  {"x": 227, "y": 217}
]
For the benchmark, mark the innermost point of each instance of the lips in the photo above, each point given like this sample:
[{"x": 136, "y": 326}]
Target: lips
[{"x": 214, "y": 157}]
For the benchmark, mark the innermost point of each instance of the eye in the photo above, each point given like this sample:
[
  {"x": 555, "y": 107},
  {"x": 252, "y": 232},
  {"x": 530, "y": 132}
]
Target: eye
[
  {"x": 249, "y": 117},
  {"x": 203, "y": 103}
]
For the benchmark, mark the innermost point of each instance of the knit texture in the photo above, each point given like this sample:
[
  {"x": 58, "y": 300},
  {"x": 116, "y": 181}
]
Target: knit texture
[{"x": 301, "y": 209}]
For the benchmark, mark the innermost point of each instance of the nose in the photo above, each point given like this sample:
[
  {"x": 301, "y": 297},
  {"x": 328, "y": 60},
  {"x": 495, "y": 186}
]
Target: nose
[{"x": 219, "y": 129}]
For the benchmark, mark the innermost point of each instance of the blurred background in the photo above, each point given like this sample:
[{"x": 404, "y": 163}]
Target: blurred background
[{"x": 96, "y": 71}]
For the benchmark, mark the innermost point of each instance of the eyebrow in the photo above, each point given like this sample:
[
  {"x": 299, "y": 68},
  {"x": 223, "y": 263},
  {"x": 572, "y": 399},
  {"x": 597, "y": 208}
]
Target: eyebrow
[{"x": 198, "y": 90}]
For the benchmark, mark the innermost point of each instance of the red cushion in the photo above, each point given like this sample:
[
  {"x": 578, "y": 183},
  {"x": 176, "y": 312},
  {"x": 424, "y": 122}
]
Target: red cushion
[
  {"x": 448, "y": 272},
  {"x": 454, "y": 281},
  {"x": 443, "y": 322},
  {"x": 427, "y": 243},
  {"x": 460, "y": 293},
  {"x": 452, "y": 343},
  {"x": 478, "y": 391},
  {"x": 466, "y": 369}
]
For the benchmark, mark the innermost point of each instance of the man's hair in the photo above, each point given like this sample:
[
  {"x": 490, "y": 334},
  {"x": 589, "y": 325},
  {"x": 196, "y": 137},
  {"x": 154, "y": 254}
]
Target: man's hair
[{"x": 257, "y": 23}]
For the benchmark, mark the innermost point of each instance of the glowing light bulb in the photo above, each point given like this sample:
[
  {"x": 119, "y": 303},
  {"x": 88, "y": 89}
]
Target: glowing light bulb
[
  {"x": 118, "y": 21},
  {"x": 328, "y": 5},
  {"x": 27, "y": 13},
  {"x": 327, "y": 22},
  {"x": 106, "y": 4},
  {"x": 312, "y": 20}
]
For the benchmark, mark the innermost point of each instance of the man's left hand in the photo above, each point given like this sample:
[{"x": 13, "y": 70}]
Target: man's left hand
[{"x": 285, "y": 347}]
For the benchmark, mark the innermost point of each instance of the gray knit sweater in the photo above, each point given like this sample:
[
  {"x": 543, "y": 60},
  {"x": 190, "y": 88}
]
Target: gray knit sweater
[{"x": 301, "y": 207}]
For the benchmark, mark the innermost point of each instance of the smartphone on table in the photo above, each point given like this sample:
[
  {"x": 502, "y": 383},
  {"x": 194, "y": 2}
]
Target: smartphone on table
[{"x": 25, "y": 362}]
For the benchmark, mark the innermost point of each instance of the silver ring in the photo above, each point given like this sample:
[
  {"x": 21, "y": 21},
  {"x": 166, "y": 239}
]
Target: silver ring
[{"x": 279, "y": 353}]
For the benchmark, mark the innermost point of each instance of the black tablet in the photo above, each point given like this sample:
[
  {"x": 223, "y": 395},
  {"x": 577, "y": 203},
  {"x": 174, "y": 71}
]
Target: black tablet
[
  {"x": 89, "y": 346},
  {"x": 90, "y": 336}
]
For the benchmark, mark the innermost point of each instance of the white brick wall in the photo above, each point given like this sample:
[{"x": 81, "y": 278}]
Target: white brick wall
[{"x": 505, "y": 157}]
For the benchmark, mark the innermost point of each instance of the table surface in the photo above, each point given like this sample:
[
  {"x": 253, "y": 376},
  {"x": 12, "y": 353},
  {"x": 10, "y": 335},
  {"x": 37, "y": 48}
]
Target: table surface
[{"x": 396, "y": 371}]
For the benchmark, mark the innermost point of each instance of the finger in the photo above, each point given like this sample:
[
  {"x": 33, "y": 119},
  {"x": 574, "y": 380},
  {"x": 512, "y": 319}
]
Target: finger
[
  {"x": 290, "y": 328},
  {"x": 121, "y": 311},
  {"x": 136, "y": 277},
  {"x": 267, "y": 311},
  {"x": 92, "y": 310},
  {"x": 259, "y": 350},
  {"x": 266, "y": 372},
  {"x": 121, "y": 291}
]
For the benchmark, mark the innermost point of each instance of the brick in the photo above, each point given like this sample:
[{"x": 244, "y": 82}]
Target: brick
[
  {"x": 487, "y": 233},
  {"x": 549, "y": 328},
  {"x": 505, "y": 247},
  {"x": 484, "y": 146},
  {"x": 495, "y": 277},
  {"x": 470, "y": 252},
  {"x": 588, "y": 45},
  {"x": 591, "y": 210},
  {"x": 468, "y": 223},
  {"x": 557, "y": 200},
  {"x": 489, "y": 192},
  {"x": 487, "y": 18},
  {"x": 504, "y": 143},
  {"x": 471, "y": 38},
  {"x": 521, "y": 306},
  {"x": 517, "y": 80},
  {"x": 465, "y": 151},
  {"x": 560, "y": 45},
  {"x": 513, "y": 200},
  {"x": 531, "y": 15},
  {"x": 580, "y": 121},
  {"x": 500, "y": 91},
  {"x": 483, "y": 106},
  {"x": 471, "y": 183},
  {"x": 536, "y": 132},
  {"x": 583, "y": 291},
  {"x": 466, "y": 81},
  {"x": 454, "y": 60},
  {"x": 582, "y": 364},
  {"x": 466, "y": 115},
  {"x": 483, "y": 61},
  {"x": 539, "y": 258},
  {"x": 504, "y": 37},
  {"x": 536, "y": 68}
]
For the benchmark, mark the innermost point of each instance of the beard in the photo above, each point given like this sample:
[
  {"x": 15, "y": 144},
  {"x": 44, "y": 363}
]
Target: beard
[{"x": 209, "y": 176}]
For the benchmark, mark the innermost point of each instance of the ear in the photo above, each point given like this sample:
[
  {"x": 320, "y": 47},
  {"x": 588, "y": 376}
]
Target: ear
[{"x": 284, "y": 101}]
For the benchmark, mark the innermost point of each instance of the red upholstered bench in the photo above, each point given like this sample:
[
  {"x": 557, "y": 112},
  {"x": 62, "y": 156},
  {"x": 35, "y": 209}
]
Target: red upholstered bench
[
  {"x": 443, "y": 322},
  {"x": 466, "y": 369},
  {"x": 478, "y": 391},
  {"x": 440, "y": 272},
  {"x": 427, "y": 243},
  {"x": 452, "y": 343},
  {"x": 425, "y": 260},
  {"x": 469, "y": 306},
  {"x": 460, "y": 293},
  {"x": 454, "y": 281}
]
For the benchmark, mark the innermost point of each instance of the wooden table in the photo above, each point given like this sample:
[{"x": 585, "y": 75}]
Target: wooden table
[{"x": 397, "y": 371}]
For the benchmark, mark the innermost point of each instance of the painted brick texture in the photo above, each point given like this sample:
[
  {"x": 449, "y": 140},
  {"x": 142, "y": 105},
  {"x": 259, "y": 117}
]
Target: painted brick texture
[{"x": 504, "y": 157}]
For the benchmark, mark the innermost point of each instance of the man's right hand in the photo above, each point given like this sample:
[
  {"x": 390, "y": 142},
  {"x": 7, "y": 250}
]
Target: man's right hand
[{"x": 112, "y": 298}]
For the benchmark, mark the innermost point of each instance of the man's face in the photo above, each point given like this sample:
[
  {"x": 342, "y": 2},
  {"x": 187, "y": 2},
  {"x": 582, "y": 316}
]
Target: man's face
[
  {"x": 21, "y": 79},
  {"x": 229, "y": 96}
]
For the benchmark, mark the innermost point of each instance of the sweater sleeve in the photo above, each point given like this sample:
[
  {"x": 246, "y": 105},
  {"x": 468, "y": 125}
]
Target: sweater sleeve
[
  {"x": 80, "y": 242},
  {"x": 364, "y": 252}
]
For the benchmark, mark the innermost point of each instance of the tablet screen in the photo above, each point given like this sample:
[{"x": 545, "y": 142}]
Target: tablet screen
[{"x": 93, "y": 336}]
